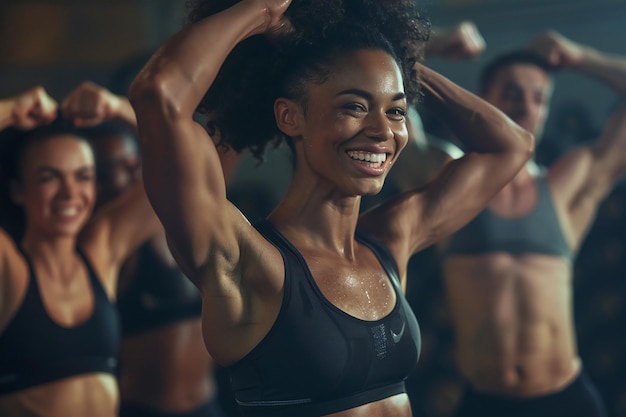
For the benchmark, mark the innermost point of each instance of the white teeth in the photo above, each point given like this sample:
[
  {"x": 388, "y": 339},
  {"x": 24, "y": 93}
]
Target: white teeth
[
  {"x": 68, "y": 211},
  {"x": 376, "y": 158}
]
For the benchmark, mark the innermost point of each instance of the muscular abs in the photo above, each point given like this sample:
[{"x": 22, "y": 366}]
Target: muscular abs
[{"x": 513, "y": 322}]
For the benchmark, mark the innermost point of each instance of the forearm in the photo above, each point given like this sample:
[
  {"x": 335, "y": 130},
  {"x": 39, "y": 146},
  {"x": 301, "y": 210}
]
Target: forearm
[
  {"x": 129, "y": 221},
  {"x": 607, "y": 68},
  {"x": 135, "y": 221},
  {"x": 435, "y": 45},
  {"x": 479, "y": 126},
  {"x": 610, "y": 150},
  {"x": 125, "y": 111},
  {"x": 185, "y": 67}
]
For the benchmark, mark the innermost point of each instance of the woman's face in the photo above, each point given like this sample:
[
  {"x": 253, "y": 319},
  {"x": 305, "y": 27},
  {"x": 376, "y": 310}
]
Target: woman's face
[
  {"x": 57, "y": 185},
  {"x": 354, "y": 123}
]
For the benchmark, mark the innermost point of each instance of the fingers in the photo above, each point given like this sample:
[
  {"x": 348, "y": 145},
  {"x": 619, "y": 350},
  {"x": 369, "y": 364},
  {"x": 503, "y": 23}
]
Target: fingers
[
  {"x": 89, "y": 105},
  {"x": 34, "y": 108}
]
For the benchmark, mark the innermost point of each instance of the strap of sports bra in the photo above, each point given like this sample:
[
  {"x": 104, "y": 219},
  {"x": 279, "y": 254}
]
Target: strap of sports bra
[
  {"x": 267, "y": 229},
  {"x": 93, "y": 277},
  {"x": 33, "y": 285},
  {"x": 383, "y": 254},
  {"x": 381, "y": 251}
]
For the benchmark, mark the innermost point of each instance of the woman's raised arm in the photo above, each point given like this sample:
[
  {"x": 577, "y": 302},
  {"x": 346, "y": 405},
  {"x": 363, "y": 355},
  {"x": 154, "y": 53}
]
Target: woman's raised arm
[
  {"x": 122, "y": 225},
  {"x": 495, "y": 150},
  {"x": 27, "y": 110},
  {"x": 181, "y": 165}
]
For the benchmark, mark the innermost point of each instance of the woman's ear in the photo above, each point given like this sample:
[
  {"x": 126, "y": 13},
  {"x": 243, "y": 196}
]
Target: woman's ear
[{"x": 288, "y": 114}]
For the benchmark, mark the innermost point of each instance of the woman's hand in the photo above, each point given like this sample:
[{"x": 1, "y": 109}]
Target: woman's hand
[
  {"x": 275, "y": 21},
  {"x": 32, "y": 108},
  {"x": 89, "y": 105}
]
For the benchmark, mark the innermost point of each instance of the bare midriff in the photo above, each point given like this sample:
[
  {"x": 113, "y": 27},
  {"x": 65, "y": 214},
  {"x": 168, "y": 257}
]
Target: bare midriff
[
  {"x": 396, "y": 406},
  {"x": 513, "y": 322},
  {"x": 94, "y": 395},
  {"x": 167, "y": 369}
]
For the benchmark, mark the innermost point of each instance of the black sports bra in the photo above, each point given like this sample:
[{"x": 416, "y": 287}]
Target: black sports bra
[
  {"x": 35, "y": 350},
  {"x": 317, "y": 359},
  {"x": 538, "y": 232},
  {"x": 159, "y": 295}
]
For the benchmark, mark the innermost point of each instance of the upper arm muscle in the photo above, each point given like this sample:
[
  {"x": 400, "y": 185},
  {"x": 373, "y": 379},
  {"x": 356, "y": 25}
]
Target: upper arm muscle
[{"x": 185, "y": 184}]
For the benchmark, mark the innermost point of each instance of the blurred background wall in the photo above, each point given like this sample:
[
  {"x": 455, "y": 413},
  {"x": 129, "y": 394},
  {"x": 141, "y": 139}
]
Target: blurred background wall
[{"x": 59, "y": 43}]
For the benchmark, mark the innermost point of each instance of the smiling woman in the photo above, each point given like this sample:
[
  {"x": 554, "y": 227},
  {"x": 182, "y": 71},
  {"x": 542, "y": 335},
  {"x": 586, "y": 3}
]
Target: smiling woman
[
  {"x": 47, "y": 173},
  {"x": 59, "y": 332},
  {"x": 306, "y": 308}
]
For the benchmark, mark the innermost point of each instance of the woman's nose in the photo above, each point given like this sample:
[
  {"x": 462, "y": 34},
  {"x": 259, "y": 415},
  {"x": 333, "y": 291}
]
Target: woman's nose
[{"x": 378, "y": 126}]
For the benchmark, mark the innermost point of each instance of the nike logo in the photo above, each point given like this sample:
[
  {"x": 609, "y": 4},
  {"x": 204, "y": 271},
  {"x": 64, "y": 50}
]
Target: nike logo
[{"x": 398, "y": 336}]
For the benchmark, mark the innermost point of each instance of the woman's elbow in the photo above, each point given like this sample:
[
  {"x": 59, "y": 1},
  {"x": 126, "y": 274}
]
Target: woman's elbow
[
  {"x": 153, "y": 93},
  {"x": 145, "y": 89}
]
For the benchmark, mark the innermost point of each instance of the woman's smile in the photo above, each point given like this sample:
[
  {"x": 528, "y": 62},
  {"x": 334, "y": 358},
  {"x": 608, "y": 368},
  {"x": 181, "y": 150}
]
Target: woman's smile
[{"x": 372, "y": 163}]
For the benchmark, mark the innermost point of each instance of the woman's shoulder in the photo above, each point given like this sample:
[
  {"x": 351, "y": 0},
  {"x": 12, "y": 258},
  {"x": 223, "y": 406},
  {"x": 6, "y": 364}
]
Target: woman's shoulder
[
  {"x": 10, "y": 254},
  {"x": 13, "y": 277}
]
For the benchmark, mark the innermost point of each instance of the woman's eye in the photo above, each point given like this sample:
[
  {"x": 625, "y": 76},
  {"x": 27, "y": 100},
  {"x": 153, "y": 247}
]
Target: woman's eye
[
  {"x": 397, "y": 114},
  {"x": 356, "y": 107},
  {"x": 87, "y": 176}
]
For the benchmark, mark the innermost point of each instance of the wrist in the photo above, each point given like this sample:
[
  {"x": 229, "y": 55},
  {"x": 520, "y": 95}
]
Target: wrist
[
  {"x": 586, "y": 55},
  {"x": 124, "y": 110},
  {"x": 259, "y": 15},
  {"x": 115, "y": 107}
]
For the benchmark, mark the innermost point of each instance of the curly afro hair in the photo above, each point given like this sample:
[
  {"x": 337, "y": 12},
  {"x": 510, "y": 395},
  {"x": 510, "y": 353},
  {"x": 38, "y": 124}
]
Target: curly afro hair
[{"x": 259, "y": 70}]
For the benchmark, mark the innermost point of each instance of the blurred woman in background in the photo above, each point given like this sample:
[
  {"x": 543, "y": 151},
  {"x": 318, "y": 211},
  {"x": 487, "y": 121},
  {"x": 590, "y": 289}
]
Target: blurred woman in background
[{"x": 59, "y": 329}]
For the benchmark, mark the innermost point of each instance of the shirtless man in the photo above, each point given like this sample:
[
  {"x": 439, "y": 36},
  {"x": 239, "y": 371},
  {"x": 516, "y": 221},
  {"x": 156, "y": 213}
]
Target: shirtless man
[{"x": 508, "y": 273}]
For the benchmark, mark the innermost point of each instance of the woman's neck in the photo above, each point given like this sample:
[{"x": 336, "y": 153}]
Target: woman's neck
[
  {"x": 318, "y": 219},
  {"x": 56, "y": 254}
]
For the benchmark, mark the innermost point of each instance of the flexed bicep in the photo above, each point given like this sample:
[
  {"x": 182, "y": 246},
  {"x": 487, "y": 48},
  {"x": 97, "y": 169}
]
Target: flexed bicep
[
  {"x": 184, "y": 182},
  {"x": 182, "y": 170}
]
